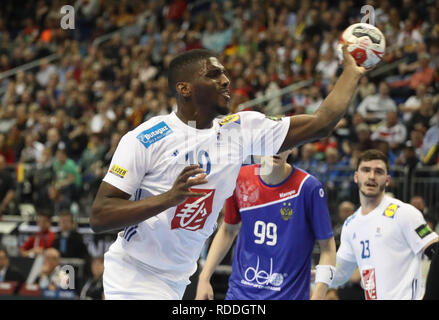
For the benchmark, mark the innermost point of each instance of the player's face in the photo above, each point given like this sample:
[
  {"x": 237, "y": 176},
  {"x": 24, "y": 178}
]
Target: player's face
[
  {"x": 277, "y": 160},
  {"x": 211, "y": 89},
  {"x": 372, "y": 178}
]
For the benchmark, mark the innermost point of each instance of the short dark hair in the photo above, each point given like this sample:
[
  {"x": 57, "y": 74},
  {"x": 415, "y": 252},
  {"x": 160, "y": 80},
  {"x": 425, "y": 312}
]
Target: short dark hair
[
  {"x": 44, "y": 213},
  {"x": 373, "y": 154},
  {"x": 66, "y": 213},
  {"x": 181, "y": 67}
]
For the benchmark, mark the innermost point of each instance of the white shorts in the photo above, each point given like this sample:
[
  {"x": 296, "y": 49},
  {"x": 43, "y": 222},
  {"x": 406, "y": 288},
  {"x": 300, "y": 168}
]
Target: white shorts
[{"x": 125, "y": 279}]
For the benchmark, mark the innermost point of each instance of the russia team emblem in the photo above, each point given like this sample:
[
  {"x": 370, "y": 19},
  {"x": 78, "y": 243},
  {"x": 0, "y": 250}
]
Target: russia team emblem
[
  {"x": 286, "y": 211},
  {"x": 192, "y": 214}
]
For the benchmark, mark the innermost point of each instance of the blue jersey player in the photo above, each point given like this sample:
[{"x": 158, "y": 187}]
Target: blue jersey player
[{"x": 279, "y": 211}]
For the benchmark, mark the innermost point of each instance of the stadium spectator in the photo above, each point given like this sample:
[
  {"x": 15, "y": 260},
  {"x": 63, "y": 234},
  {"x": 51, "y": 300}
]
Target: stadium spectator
[
  {"x": 430, "y": 144},
  {"x": 33, "y": 149},
  {"x": 51, "y": 276},
  {"x": 419, "y": 203},
  {"x": 9, "y": 273},
  {"x": 68, "y": 241},
  {"x": 413, "y": 103},
  {"x": 6, "y": 150},
  {"x": 42, "y": 239},
  {"x": 67, "y": 176},
  {"x": 365, "y": 89},
  {"x": 374, "y": 108},
  {"x": 391, "y": 131},
  {"x": 364, "y": 142},
  {"x": 7, "y": 187},
  {"x": 93, "y": 288},
  {"x": 42, "y": 178},
  {"x": 422, "y": 119},
  {"x": 307, "y": 161}
]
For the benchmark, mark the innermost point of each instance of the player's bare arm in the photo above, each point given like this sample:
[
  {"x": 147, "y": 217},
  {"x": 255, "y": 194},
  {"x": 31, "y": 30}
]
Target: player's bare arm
[
  {"x": 306, "y": 128},
  {"x": 221, "y": 244},
  {"x": 112, "y": 209},
  {"x": 327, "y": 258}
]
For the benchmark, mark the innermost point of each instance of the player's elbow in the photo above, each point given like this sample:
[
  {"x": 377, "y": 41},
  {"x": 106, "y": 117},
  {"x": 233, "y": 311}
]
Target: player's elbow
[{"x": 97, "y": 224}]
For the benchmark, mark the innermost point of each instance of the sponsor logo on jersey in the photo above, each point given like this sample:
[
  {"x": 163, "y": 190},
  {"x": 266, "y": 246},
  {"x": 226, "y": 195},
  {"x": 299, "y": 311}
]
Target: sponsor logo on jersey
[
  {"x": 154, "y": 134},
  {"x": 229, "y": 119},
  {"x": 274, "y": 118},
  {"x": 286, "y": 211},
  {"x": 118, "y": 171},
  {"x": 391, "y": 210},
  {"x": 369, "y": 284},
  {"x": 286, "y": 194},
  {"x": 263, "y": 279},
  {"x": 423, "y": 231},
  {"x": 192, "y": 214}
]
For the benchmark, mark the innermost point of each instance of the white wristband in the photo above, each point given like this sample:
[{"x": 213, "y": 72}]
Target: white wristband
[{"x": 325, "y": 274}]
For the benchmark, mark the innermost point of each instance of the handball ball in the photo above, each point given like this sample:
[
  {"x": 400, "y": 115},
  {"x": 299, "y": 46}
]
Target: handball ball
[{"x": 365, "y": 42}]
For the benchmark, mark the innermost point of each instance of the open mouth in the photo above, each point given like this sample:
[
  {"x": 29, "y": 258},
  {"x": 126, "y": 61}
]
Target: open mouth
[{"x": 226, "y": 94}]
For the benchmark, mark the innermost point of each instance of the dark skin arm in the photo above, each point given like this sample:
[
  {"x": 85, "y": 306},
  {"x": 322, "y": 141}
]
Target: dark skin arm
[
  {"x": 307, "y": 128},
  {"x": 112, "y": 210}
]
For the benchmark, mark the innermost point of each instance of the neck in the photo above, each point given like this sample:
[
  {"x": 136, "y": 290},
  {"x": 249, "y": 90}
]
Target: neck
[
  {"x": 190, "y": 113},
  {"x": 277, "y": 174},
  {"x": 369, "y": 204}
]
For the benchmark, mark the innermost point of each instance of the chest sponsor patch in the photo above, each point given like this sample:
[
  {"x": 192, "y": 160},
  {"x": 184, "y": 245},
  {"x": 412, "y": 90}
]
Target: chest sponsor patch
[
  {"x": 369, "y": 284},
  {"x": 154, "y": 134},
  {"x": 192, "y": 214},
  {"x": 423, "y": 231},
  {"x": 229, "y": 119},
  {"x": 118, "y": 171},
  {"x": 391, "y": 210}
]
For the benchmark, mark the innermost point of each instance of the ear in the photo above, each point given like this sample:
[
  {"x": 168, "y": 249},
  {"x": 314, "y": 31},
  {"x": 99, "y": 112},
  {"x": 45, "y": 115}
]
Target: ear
[
  {"x": 356, "y": 176},
  {"x": 387, "y": 180},
  {"x": 184, "y": 89}
]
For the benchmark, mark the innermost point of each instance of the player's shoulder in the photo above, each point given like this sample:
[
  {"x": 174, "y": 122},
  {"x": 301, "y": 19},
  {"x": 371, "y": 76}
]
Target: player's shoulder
[
  {"x": 310, "y": 181},
  {"x": 350, "y": 221},
  {"x": 151, "y": 131},
  {"x": 397, "y": 209}
]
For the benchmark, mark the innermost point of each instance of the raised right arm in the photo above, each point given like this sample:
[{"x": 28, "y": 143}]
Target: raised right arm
[{"x": 307, "y": 128}]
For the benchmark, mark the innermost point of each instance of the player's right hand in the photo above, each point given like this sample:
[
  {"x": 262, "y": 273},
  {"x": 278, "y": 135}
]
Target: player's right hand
[
  {"x": 204, "y": 290},
  {"x": 180, "y": 191},
  {"x": 350, "y": 63}
]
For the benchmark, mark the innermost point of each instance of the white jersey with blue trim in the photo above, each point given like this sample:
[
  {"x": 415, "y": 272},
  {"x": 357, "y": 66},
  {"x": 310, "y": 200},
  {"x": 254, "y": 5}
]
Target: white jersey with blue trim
[
  {"x": 387, "y": 246},
  {"x": 149, "y": 158}
]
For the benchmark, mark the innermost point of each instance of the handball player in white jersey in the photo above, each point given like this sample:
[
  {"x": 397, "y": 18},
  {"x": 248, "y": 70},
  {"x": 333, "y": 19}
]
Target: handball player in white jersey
[
  {"x": 385, "y": 238},
  {"x": 170, "y": 176}
]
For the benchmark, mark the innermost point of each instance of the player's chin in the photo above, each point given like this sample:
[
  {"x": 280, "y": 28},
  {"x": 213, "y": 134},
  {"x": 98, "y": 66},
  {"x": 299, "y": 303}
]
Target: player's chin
[{"x": 222, "y": 109}]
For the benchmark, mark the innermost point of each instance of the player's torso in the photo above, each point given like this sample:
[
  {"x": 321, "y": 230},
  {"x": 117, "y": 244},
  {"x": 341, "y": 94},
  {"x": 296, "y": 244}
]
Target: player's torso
[
  {"x": 275, "y": 241},
  {"x": 381, "y": 250},
  {"x": 221, "y": 160}
]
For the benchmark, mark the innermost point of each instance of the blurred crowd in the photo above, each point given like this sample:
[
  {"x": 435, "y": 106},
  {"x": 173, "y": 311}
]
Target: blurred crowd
[{"x": 61, "y": 122}]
